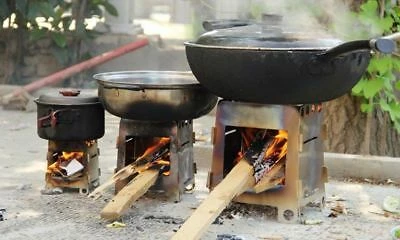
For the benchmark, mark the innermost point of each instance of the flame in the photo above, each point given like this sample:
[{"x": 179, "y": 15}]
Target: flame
[
  {"x": 65, "y": 156},
  {"x": 163, "y": 141},
  {"x": 163, "y": 161},
  {"x": 55, "y": 167},
  {"x": 276, "y": 150}
]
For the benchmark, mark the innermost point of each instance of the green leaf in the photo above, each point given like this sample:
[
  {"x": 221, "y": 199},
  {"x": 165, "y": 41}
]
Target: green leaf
[
  {"x": 394, "y": 109},
  {"x": 359, "y": 87},
  {"x": 384, "y": 105},
  {"x": 59, "y": 38},
  {"x": 21, "y": 6},
  {"x": 110, "y": 8},
  {"x": 365, "y": 107},
  {"x": 380, "y": 64},
  {"x": 4, "y": 10},
  {"x": 386, "y": 24},
  {"x": 397, "y": 85},
  {"x": 372, "y": 87},
  {"x": 37, "y": 34},
  {"x": 47, "y": 9},
  {"x": 33, "y": 11},
  {"x": 369, "y": 8}
]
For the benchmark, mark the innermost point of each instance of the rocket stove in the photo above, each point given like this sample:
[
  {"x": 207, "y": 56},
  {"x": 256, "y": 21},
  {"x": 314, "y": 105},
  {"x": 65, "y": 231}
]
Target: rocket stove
[
  {"x": 155, "y": 132},
  {"x": 302, "y": 175},
  {"x": 135, "y": 137}
]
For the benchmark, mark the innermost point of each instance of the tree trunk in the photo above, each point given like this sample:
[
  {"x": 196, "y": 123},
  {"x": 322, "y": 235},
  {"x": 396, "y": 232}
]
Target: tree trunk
[{"x": 347, "y": 129}]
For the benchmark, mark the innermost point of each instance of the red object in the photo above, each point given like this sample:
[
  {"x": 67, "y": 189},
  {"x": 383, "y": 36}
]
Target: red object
[{"x": 70, "y": 71}]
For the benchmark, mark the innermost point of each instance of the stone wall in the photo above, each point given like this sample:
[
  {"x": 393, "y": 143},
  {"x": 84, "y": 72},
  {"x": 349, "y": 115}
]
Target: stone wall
[{"x": 38, "y": 60}]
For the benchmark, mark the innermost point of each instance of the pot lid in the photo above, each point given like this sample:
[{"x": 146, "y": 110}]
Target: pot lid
[
  {"x": 270, "y": 34},
  {"x": 67, "y": 97},
  {"x": 137, "y": 80}
]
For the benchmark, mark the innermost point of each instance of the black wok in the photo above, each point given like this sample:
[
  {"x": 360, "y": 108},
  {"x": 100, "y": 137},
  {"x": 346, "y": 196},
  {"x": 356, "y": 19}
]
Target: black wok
[{"x": 273, "y": 66}]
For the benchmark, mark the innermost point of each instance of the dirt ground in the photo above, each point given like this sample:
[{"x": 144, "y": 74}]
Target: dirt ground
[{"x": 31, "y": 215}]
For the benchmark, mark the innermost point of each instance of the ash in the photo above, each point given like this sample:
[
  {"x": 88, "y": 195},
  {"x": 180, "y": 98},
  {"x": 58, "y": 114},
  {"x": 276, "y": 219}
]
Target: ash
[{"x": 242, "y": 210}]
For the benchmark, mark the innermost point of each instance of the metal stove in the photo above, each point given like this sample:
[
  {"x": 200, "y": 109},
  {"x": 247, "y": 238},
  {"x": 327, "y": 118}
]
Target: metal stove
[
  {"x": 304, "y": 171},
  {"x": 137, "y": 136},
  {"x": 81, "y": 169}
]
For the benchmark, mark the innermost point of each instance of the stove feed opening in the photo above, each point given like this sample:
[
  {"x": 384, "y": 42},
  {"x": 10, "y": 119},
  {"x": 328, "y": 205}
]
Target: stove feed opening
[{"x": 268, "y": 161}]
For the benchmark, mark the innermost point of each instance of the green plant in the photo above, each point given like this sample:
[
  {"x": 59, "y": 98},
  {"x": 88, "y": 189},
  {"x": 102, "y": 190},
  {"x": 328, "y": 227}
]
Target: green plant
[
  {"x": 397, "y": 233},
  {"x": 60, "y": 20},
  {"x": 380, "y": 86}
]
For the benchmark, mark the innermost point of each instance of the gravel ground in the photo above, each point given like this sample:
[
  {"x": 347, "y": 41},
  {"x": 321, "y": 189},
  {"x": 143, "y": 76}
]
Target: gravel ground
[{"x": 30, "y": 215}]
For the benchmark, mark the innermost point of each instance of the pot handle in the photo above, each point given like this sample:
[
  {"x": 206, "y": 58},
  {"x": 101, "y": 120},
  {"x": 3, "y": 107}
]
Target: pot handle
[
  {"x": 52, "y": 119},
  {"x": 385, "y": 45},
  {"x": 210, "y": 25}
]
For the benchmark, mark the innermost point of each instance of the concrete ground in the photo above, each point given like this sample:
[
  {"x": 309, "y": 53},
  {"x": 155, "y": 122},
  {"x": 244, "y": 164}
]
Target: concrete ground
[{"x": 30, "y": 215}]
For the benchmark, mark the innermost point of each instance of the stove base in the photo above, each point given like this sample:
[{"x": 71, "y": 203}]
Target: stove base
[{"x": 90, "y": 173}]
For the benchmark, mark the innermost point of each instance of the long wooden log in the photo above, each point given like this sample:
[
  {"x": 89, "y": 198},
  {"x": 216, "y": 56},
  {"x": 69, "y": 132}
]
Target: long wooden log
[
  {"x": 129, "y": 194},
  {"x": 238, "y": 180}
]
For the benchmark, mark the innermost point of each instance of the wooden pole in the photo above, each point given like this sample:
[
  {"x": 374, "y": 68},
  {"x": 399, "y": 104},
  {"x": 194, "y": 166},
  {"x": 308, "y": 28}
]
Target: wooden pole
[
  {"x": 238, "y": 180},
  {"x": 129, "y": 194}
]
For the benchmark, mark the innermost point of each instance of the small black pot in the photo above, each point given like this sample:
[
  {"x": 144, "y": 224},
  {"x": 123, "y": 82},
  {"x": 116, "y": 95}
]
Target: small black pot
[{"x": 69, "y": 116}]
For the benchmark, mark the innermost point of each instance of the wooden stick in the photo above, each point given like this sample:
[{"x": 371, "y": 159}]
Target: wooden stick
[
  {"x": 129, "y": 194},
  {"x": 238, "y": 180},
  {"x": 141, "y": 164},
  {"x": 265, "y": 182},
  {"x": 120, "y": 175}
]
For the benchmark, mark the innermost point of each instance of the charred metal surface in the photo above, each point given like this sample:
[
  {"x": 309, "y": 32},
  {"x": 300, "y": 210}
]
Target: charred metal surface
[
  {"x": 89, "y": 178},
  {"x": 136, "y": 136},
  {"x": 304, "y": 171}
]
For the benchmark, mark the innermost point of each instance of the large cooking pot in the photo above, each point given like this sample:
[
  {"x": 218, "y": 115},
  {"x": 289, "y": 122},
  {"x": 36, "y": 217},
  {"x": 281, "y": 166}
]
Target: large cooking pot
[
  {"x": 266, "y": 63},
  {"x": 154, "y": 95},
  {"x": 69, "y": 116}
]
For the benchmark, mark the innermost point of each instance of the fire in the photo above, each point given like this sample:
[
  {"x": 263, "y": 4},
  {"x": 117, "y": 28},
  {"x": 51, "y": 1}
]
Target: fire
[
  {"x": 157, "y": 155},
  {"x": 65, "y": 156},
  {"x": 276, "y": 142},
  {"x": 163, "y": 141},
  {"x": 62, "y": 167},
  {"x": 278, "y": 148}
]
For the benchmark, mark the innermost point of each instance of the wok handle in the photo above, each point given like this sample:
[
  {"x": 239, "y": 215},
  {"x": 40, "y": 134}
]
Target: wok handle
[
  {"x": 210, "y": 25},
  {"x": 383, "y": 45}
]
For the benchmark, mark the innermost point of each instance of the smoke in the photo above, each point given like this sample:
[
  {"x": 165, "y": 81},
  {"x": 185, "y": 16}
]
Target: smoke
[{"x": 334, "y": 17}]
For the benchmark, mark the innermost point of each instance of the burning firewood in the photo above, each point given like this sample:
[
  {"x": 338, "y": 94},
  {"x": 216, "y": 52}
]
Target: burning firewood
[
  {"x": 262, "y": 154},
  {"x": 149, "y": 159}
]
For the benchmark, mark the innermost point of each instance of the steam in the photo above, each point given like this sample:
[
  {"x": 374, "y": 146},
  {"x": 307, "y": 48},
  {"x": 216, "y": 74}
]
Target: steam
[{"x": 323, "y": 16}]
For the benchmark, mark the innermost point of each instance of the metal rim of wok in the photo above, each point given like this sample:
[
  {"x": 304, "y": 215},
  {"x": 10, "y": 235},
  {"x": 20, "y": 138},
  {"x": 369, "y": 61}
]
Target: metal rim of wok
[{"x": 139, "y": 80}]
